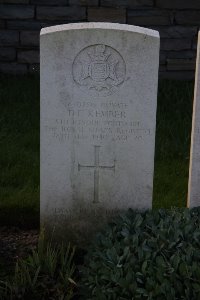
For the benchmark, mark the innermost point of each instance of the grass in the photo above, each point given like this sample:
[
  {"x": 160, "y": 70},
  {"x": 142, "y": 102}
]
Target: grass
[
  {"x": 19, "y": 148},
  {"x": 173, "y": 130},
  {"x": 19, "y": 151}
]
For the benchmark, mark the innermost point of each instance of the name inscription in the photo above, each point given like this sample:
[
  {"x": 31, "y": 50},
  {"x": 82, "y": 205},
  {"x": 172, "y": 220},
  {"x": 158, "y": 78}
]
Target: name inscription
[{"x": 88, "y": 121}]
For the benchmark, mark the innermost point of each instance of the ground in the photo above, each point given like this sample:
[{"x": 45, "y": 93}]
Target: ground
[{"x": 15, "y": 243}]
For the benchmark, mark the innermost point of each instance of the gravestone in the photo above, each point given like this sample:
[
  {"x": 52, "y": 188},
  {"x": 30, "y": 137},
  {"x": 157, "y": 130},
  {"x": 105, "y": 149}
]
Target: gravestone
[
  {"x": 194, "y": 172},
  {"x": 98, "y": 119}
]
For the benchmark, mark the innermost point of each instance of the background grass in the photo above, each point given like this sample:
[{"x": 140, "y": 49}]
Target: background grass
[
  {"x": 19, "y": 151},
  {"x": 19, "y": 148},
  {"x": 173, "y": 131}
]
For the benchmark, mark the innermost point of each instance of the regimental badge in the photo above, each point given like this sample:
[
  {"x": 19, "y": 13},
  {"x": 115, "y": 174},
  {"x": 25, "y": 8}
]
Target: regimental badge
[{"x": 99, "y": 68}]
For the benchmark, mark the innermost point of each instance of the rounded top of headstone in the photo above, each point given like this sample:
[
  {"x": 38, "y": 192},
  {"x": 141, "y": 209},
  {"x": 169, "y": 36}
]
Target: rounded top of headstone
[{"x": 100, "y": 25}]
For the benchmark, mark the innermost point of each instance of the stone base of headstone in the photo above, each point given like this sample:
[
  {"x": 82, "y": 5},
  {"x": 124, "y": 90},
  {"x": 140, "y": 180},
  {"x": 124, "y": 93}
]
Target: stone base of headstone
[{"x": 78, "y": 229}]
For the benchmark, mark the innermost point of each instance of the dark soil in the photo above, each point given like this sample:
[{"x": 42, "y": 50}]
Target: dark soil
[{"x": 15, "y": 243}]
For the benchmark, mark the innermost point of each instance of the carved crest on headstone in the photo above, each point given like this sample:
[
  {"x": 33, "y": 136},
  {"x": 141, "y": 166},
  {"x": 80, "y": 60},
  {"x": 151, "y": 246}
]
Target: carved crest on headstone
[{"x": 99, "y": 68}]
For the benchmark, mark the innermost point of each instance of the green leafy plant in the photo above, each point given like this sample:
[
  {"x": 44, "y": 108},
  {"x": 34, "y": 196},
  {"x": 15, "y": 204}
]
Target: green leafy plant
[
  {"x": 45, "y": 274},
  {"x": 153, "y": 255}
]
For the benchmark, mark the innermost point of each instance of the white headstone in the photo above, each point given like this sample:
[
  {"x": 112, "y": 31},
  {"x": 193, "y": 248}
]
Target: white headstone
[
  {"x": 194, "y": 172},
  {"x": 98, "y": 119}
]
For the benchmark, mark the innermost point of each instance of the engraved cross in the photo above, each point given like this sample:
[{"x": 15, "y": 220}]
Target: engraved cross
[{"x": 97, "y": 167}]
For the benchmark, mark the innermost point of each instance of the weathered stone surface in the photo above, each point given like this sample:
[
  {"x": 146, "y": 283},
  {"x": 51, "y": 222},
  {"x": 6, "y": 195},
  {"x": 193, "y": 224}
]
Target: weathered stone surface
[
  {"x": 61, "y": 13},
  {"x": 49, "y": 2},
  {"x": 175, "y": 44},
  {"x": 16, "y": 11},
  {"x": 149, "y": 17},
  {"x": 7, "y": 54},
  {"x": 2, "y": 24},
  {"x": 28, "y": 56},
  {"x": 15, "y": 1},
  {"x": 31, "y": 24},
  {"x": 127, "y": 3},
  {"x": 176, "y": 31},
  {"x": 25, "y": 24},
  {"x": 162, "y": 57},
  {"x": 29, "y": 38},
  {"x": 34, "y": 68},
  {"x": 180, "y": 64},
  {"x": 98, "y": 119},
  {"x": 13, "y": 68},
  {"x": 177, "y": 75},
  {"x": 194, "y": 171},
  {"x": 188, "y": 17},
  {"x": 178, "y": 4},
  {"x": 84, "y": 2},
  {"x": 9, "y": 38},
  {"x": 162, "y": 68},
  {"x": 181, "y": 54},
  {"x": 101, "y": 14},
  {"x": 194, "y": 44}
]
